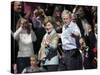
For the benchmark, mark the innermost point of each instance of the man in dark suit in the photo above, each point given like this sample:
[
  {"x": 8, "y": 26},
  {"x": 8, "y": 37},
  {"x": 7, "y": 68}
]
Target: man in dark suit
[{"x": 16, "y": 13}]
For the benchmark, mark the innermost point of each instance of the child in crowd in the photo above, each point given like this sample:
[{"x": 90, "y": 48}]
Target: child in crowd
[{"x": 33, "y": 66}]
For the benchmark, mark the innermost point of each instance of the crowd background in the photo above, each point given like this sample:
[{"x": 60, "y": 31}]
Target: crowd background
[{"x": 35, "y": 13}]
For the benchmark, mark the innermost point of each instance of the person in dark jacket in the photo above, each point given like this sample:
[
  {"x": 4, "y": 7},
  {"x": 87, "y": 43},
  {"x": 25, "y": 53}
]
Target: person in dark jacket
[{"x": 16, "y": 13}]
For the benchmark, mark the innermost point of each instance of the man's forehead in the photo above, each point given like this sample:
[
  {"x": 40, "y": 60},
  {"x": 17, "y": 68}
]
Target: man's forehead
[{"x": 66, "y": 16}]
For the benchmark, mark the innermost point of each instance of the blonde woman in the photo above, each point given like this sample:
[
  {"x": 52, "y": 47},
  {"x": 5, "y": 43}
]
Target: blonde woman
[{"x": 48, "y": 50}]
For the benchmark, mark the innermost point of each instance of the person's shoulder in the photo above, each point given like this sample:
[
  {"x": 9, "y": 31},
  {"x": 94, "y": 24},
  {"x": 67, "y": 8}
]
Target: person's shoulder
[{"x": 73, "y": 23}]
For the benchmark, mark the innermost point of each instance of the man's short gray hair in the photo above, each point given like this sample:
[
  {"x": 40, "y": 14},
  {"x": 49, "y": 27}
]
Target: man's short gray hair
[{"x": 66, "y": 12}]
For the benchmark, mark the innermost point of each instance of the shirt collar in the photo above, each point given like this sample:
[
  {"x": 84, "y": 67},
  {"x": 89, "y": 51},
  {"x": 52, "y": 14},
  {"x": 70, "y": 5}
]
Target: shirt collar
[{"x": 66, "y": 26}]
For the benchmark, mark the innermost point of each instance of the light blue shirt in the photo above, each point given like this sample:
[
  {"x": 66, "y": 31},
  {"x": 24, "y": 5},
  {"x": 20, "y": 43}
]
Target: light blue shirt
[
  {"x": 69, "y": 42},
  {"x": 54, "y": 60}
]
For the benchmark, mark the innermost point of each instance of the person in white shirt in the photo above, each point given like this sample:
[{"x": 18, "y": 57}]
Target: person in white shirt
[
  {"x": 70, "y": 43},
  {"x": 25, "y": 37}
]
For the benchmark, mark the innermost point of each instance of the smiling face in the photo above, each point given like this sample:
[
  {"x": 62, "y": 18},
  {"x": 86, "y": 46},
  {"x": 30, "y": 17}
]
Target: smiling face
[
  {"x": 48, "y": 27},
  {"x": 66, "y": 19}
]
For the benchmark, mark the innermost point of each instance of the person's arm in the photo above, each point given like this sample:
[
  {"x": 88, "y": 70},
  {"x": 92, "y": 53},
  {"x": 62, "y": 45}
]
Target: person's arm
[
  {"x": 75, "y": 9},
  {"x": 15, "y": 34},
  {"x": 52, "y": 42},
  {"x": 41, "y": 53},
  {"x": 24, "y": 71},
  {"x": 76, "y": 32},
  {"x": 52, "y": 48}
]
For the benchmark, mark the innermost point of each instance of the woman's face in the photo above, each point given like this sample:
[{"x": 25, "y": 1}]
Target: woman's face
[
  {"x": 25, "y": 25},
  {"x": 49, "y": 27}
]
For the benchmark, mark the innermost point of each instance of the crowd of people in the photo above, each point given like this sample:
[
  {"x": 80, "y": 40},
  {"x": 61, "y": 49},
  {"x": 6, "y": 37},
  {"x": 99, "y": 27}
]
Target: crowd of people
[{"x": 52, "y": 37}]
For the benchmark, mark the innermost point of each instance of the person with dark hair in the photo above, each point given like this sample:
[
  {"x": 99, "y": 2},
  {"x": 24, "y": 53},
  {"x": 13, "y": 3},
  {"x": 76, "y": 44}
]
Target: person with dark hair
[
  {"x": 91, "y": 38},
  {"x": 49, "y": 9},
  {"x": 86, "y": 54},
  {"x": 37, "y": 20},
  {"x": 92, "y": 43}
]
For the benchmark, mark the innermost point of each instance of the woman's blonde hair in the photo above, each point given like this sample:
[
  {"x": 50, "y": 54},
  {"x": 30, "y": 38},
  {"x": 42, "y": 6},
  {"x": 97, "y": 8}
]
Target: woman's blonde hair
[
  {"x": 49, "y": 19},
  {"x": 28, "y": 28}
]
